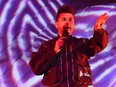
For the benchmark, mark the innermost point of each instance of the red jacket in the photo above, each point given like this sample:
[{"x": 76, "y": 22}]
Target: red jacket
[{"x": 79, "y": 50}]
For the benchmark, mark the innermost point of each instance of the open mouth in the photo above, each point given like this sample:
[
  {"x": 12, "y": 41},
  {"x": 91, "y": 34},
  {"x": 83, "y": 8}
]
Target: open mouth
[
  {"x": 67, "y": 27},
  {"x": 65, "y": 30}
]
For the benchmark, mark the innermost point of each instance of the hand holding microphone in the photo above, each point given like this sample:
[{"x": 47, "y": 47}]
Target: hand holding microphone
[{"x": 60, "y": 42}]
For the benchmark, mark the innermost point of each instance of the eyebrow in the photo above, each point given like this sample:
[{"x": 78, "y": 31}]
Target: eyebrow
[{"x": 69, "y": 17}]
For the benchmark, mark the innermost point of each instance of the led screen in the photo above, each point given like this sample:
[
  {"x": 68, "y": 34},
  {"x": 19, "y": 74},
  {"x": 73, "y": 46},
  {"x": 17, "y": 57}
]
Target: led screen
[{"x": 25, "y": 24}]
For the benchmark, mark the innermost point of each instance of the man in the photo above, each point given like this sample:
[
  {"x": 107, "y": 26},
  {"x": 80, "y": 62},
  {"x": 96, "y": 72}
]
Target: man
[{"x": 64, "y": 59}]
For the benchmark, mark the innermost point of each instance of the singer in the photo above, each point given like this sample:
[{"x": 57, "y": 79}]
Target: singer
[{"x": 64, "y": 60}]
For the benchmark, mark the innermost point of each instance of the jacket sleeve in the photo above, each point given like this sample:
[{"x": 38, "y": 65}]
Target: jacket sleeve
[
  {"x": 42, "y": 60},
  {"x": 97, "y": 43}
]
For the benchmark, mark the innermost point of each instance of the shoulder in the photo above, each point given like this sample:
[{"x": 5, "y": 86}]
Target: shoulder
[
  {"x": 82, "y": 41},
  {"x": 79, "y": 39},
  {"x": 49, "y": 43}
]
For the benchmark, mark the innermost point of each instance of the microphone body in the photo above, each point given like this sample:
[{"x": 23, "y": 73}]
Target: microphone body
[
  {"x": 65, "y": 31},
  {"x": 65, "y": 34}
]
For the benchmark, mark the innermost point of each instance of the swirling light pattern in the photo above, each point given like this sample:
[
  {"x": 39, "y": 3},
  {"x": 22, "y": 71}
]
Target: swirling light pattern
[{"x": 26, "y": 24}]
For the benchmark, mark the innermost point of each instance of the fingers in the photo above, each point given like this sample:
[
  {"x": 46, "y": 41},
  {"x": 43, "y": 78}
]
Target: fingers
[
  {"x": 59, "y": 44},
  {"x": 101, "y": 20},
  {"x": 61, "y": 41},
  {"x": 62, "y": 38},
  {"x": 104, "y": 16}
]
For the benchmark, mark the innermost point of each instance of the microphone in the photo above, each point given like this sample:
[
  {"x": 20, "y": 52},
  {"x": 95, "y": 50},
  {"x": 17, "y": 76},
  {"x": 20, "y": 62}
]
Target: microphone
[
  {"x": 65, "y": 31},
  {"x": 65, "y": 34}
]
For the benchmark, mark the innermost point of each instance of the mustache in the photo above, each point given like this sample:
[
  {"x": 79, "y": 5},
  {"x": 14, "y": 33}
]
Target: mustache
[{"x": 67, "y": 27}]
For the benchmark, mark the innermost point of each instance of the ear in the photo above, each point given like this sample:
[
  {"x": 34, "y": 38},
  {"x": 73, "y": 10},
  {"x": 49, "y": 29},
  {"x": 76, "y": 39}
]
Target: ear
[{"x": 56, "y": 24}]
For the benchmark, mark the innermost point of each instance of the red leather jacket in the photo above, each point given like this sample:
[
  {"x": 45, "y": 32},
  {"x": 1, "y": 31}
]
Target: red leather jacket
[{"x": 79, "y": 50}]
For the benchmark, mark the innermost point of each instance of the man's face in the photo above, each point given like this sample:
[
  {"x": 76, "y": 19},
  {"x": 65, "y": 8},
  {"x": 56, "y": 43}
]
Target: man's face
[{"x": 65, "y": 20}]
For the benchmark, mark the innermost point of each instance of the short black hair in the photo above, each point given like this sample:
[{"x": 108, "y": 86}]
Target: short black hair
[{"x": 64, "y": 9}]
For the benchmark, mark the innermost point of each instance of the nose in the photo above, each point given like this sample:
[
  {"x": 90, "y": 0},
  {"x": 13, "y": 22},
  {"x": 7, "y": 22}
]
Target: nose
[{"x": 67, "y": 23}]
